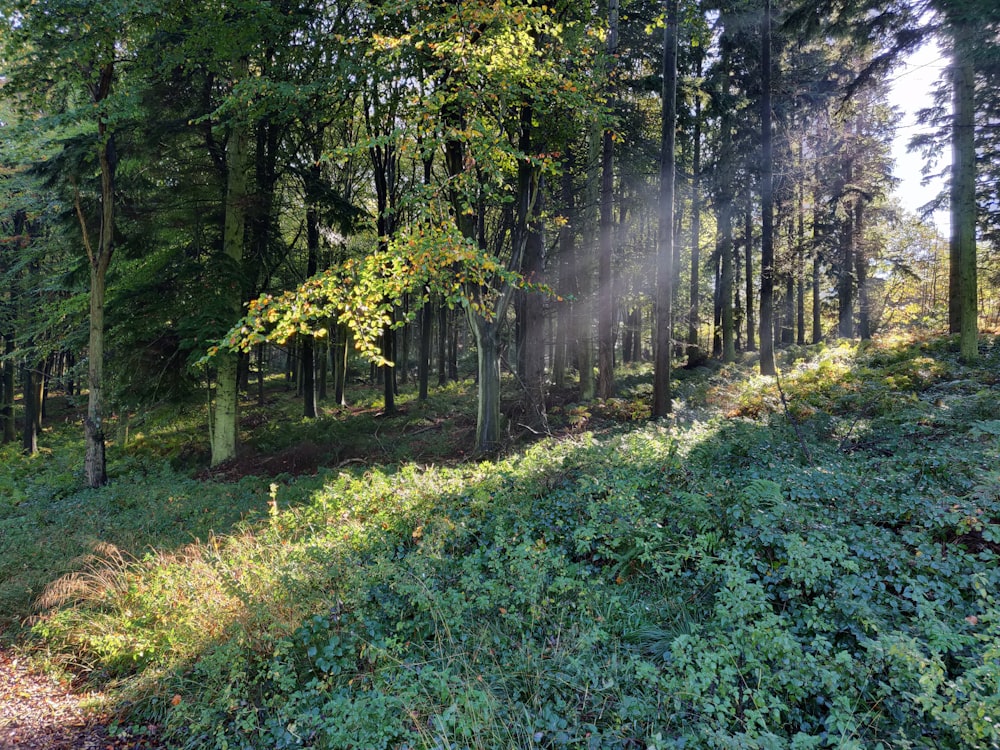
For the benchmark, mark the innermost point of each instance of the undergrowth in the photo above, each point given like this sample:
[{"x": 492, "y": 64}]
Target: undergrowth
[{"x": 702, "y": 583}]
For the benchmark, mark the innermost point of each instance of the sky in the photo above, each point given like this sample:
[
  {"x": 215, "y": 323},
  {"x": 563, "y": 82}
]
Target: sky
[{"x": 910, "y": 90}]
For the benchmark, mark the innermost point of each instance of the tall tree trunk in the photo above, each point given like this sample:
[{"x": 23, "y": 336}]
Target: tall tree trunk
[
  {"x": 533, "y": 358},
  {"x": 565, "y": 286},
  {"x": 29, "y": 433},
  {"x": 846, "y": 278},
  {"x": 583, "y": 307},
  {"x": 788, "y": 324},
  {"x": 100, "y": 259},
  {"x": 748, "y": 270},
  {"x": 485, "y": 326},
  {"x": 9, "y": 428},
  {"x": 694, "y": 353},
  {"x": 767, "y": 202},
  {"x": 322, "y": 357},
  {"x": 313, "y": 180},
  {"x": 800, "y": 253},
  {"x": 963, "y": 303},
  {"x": 426, "y": 322},
  {"x": 665, "y": 253},
  {"x": 225, "y": 432},
  {"x": 738, "y": 313},
  {"x": 442, "y": 344},
  {"x": 340, "y": 353},
  {"x": 426, "y": 342},
  {"x": 389, "y": 372},
  {"x": 402, "y": 369},
  {"x": 605, "y": 282},
  {"x": 717, "y": 299},
  {"x": 861, "y": 273},
  {"x": 726, "y": 279},
  {"x": 488, "y": 425},
  {"x": 817, "y": 307}
]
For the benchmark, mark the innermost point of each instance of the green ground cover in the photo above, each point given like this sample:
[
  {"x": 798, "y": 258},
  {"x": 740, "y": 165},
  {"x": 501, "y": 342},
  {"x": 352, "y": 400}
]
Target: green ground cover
[{"x": 751, "y": 574}]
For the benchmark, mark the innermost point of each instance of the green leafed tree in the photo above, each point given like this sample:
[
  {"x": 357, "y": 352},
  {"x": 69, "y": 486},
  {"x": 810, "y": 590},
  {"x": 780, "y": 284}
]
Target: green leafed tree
[{"x": 67, "y": 60}]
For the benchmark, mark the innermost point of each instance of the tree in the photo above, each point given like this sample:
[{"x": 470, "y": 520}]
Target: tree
[
  {"x": 767, "y": 201},
  {"x": 605, "y": 281},
  {"x": 969, "y": 29},
  {"x": 665, "y": 252},
  {"x": 71, "y": 69}
]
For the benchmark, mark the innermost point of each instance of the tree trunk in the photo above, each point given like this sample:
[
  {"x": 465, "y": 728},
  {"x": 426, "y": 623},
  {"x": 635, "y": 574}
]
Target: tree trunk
[
  {"x": 340, "y": 354},
  {"x": 748, "y": 271},
  {"x": 665, "y": 255},
  {"x": 767, "y": 202},
  {"x": 442, "y": 344},
  {"x": 726, "y": 280},
  {"x": 426, "y": 342},
  {"x": 488, "y": 426},
  {"x": 95, "y": 469},
  {"x": 225, "y": 432},
  {"x": 963, "y": 301},
  {"x": 426, "y": 322},
  {"x": 583, "y": 307},
  {"x": 9, "y": 428},
  {"x": 861, "y": 273},
  {"x": 567, "y": 275},
  {"x": 817, "y": 308},
  {"x": 694, "y": 353},
  {"x": 322, "y": 369},
  {"x": 312, "y": 189},
  {"x": 29, "y": 433},
  {"x": 717, "y": 299},
  {"x": 528, "y": 234},
  {"x": 605, "y": 281},
  {"x": 533, "y": 358},
  {"x": 800, "y": 255},
  {"x": 845, "y": 280}
]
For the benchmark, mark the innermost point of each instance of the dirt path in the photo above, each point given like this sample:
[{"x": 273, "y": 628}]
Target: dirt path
[{"x": 40, "y": 713}]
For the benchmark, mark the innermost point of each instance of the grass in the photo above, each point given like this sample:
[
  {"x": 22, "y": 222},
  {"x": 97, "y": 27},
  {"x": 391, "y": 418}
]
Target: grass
[{"x": 696, "y": 583}]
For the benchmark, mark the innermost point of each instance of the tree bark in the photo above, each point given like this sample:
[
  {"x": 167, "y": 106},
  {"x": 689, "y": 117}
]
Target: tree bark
[
  {"x": 566, "y": 286},
  {"x": 605, "y": 281},
  {"x": 583, "y": 308},
  {"x": 488, "y": 425},
  {"x": 817, "y": 308},
  {"x": 442, "y": 344},
  {"x": 29, "y": 432},
  {"x": 845, "y": 280},
  {"x": 748, "y": 270},
  {"x": 9, "y": 428},
  {"x": 665, "y": 255},
  {"x": 313, "y": 178},
  {"x": 767, "y": 203},
  {"x": 861, "y": 274},
  {"x": 224, "y": 427},
  {"x": 95, "y": 468},
  {"x": 726, "y": 280},
  {"x": 694, "y": 353},
  {"x": 963, "y": 301},
  {"x": 340, "y": 354}
]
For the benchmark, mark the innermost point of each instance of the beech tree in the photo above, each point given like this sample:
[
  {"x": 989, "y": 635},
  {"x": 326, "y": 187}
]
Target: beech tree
[{"x": 71, "y": 70}]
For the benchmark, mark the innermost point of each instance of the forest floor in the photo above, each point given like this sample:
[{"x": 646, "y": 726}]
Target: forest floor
[
  {"x": 40, "y": 712},
  {"x": 361, "y": 580}
]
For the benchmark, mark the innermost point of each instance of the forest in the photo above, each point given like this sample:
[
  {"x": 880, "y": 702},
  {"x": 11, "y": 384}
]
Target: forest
[{"x": 497, "y": 374}]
